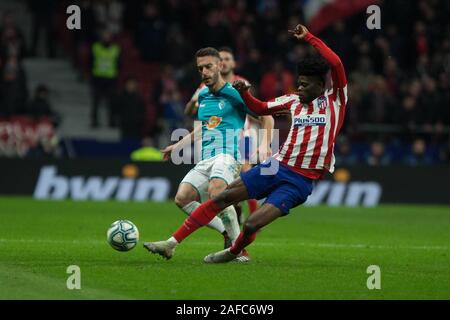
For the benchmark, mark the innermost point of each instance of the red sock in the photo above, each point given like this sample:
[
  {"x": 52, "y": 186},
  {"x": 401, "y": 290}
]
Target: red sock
[
  {"x": 198, "y": 218},
  {"x": 252, "y": 205},
  {"x": 241, "y": 242}
]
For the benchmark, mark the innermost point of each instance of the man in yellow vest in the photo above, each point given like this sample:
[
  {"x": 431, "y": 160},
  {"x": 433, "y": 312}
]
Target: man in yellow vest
[
  {"x": 147, "y": 152},
  {"x": 105, "y": 59}
]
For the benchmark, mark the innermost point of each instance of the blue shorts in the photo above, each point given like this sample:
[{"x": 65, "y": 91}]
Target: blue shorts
[{"x": 283, "y": 188}]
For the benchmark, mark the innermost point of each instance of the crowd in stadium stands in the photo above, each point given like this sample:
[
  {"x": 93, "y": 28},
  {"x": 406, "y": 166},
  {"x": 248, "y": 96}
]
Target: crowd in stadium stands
[
  {"x": 27, "y": 122},
  {"x": 399, "y": 76}
]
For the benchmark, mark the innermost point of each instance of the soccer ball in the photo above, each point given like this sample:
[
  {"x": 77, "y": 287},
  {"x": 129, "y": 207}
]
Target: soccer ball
[{"x": 123, "y": 235}]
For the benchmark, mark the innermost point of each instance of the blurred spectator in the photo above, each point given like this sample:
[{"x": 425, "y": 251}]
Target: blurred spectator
[
  {"x": 147, "y": 152},
  {"x": 216, "y": 32},
  {"x": 12, "y": 41},
  {"x": 378, "y": 103},
  {"x": 432, "y": 103},
  {"x": 13, "y": 87},
  {"x": 363, "y": 75},
  {"x": 251, "y": 68},
  {"x": 378, "y": 155},
  {"x": 43, "y": 24},
  {"x": 130, "y": 107},
  {"x": 178, "y": 47},
  {"x": 46, "y": 147},
  {"x": 344, "y": 154},
  {"x": 418, "y": 154},
  {"x": 109, "y": 14},
  {"x": 169, "y": 100},
  {"x": 40, "y": 105},
  {"x": 409, "y": 116},
  {"x": 105, "y": 63},
  {"x": 151, "y": 33},
  {"x": 276, "y": 82}
]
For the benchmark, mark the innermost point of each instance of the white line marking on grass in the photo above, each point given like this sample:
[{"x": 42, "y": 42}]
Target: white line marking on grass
[
  {"x": 262, "y": 244},
  {"x": 370, "y": 246}
]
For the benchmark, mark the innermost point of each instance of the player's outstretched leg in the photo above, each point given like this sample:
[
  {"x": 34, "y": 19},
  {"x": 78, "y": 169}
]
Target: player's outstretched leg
[
  {"x": 163, "y": 248},
  {"x": 234, "y": 193},
  {"x": 260, "y": 218},
  {"x": 188, "y": 199}
]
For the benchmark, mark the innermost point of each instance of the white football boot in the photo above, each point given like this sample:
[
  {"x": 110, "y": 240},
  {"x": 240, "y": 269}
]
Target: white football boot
[
  {"x": 220, "y": 257},
  {"x": 163, "y": 248},
  {"x": 242, "y": 257}
]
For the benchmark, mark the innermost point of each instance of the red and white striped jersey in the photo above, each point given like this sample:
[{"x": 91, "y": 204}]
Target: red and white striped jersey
[
  {"x": 310, "y": 142},
  {"x": 309, "y": 146}
]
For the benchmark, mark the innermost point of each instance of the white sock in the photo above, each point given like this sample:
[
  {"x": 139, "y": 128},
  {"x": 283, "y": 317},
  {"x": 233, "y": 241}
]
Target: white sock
[
  {"x": 230, "y": 221},
  {"x": 215, "y": 223},
  {"x": 172, "y": 241}
]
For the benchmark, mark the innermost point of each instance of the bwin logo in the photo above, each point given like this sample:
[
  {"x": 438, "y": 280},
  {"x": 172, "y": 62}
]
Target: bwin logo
[
  {"x": 310, "y": 121},
  {"x": 352, "y": 194},
  {"x": 50, "y": 185},
  {"x": 343, "y": 191}
]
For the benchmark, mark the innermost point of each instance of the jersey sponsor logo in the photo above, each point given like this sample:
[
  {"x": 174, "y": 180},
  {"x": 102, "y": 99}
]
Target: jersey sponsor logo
[
  {"x": 322, "y": 102},
  {"x": 213, "y": 122},
  {"x": 310, "y": 120},
  {"x": 201, "y": 105}
]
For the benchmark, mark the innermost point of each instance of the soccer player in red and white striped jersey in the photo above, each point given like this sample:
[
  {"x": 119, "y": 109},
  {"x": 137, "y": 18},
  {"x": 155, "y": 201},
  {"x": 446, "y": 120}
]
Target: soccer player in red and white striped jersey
[{"x": 317, "y": 116}]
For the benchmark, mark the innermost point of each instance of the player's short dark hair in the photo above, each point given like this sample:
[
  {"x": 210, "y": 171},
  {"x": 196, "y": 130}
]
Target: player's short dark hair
[
  {"x": 208, "y": 52},
  {"x": 313, "y": 66},
  {"x": 226, "y": 49}
]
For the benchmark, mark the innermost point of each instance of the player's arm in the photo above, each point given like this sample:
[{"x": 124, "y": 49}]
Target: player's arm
[
  {"x": 192, "y": 106},
  {"x": 187, "y": 140},
  {"x": 337, "y": 68},
  {"x": 265, "y": 149},
  {"x": 262, "y": 108}
]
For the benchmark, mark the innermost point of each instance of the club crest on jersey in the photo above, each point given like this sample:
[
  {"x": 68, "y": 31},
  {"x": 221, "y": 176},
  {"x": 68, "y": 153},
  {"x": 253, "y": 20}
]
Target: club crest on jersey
[
  {"x": 221, "y": 104},
  {"x": 310, "y": 120},
  {"x": 213, "y": 122},
  {"x": 322, "y": 102}
]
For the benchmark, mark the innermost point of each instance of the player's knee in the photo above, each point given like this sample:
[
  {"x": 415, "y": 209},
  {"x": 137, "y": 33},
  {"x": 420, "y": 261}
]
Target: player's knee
[
  {"x": 223, "y": 199},
  {"x": 215, "y": 189},
  {"x": 182, "y": 200}
]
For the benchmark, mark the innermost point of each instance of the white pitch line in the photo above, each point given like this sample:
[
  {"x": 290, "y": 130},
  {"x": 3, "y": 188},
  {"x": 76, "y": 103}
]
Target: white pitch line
[{"x": 262, "y": 244}]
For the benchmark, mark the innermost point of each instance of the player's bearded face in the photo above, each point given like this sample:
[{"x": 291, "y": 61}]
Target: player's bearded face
[
  {"x": 228, "y": 63},
  {"x": 209, "y": 69},
  {"x": 309, "y": 88}
]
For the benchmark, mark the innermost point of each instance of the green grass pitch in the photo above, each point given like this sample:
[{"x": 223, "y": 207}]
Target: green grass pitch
[{"x": 314, "y": 253}]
